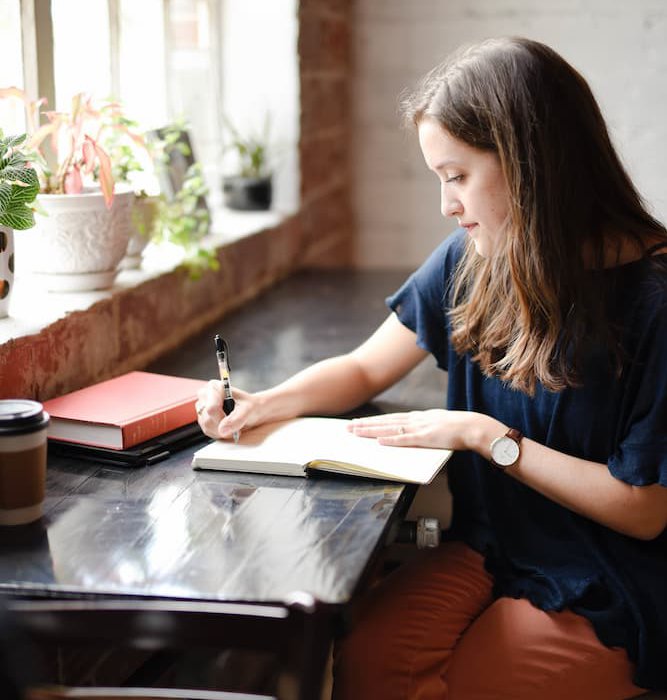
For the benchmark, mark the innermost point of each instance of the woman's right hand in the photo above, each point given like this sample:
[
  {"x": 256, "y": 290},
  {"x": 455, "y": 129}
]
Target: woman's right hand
[
  {"x": 212, "y": 418},
  {"x": 329, "y": 387}
]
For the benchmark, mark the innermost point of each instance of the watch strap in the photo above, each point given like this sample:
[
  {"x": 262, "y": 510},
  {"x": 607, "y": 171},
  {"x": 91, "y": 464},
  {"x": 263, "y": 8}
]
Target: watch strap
[{"x": 514, "y": 434}]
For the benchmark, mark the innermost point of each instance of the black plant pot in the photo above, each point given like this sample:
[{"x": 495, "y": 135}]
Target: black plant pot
[{"x": 247, "y": 193}]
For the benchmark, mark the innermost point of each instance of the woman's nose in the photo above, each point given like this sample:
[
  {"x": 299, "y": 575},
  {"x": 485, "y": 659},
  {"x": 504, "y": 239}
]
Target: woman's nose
[{"x": 449, "y": 206}]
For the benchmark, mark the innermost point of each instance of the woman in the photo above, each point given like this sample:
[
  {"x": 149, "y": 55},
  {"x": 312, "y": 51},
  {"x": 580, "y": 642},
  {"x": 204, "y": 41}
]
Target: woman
[{"x": 548, "y": 309}]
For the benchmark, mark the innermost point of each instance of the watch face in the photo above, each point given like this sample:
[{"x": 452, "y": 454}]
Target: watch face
[{"x": 504, "y": 451}]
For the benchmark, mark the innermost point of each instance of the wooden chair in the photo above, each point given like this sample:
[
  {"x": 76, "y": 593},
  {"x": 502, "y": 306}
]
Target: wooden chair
[{"x": 297, "y": 633}]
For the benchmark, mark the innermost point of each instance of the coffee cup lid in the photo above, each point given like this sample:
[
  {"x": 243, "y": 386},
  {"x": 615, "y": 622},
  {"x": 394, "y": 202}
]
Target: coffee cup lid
[{"x": 21, "y": 415}]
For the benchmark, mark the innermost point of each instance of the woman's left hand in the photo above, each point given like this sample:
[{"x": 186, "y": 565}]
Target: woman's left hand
[{"x": 435, "y": 427}]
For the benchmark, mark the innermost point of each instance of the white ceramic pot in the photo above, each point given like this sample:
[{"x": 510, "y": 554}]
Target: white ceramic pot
[
  {"x": 144, "y": 210},
  {"x": 6, "y": 268},
  {"x": 80, "y": 242}
]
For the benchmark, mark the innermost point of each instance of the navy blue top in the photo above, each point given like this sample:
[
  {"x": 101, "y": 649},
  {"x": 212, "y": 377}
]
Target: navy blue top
[{"x": 533, "y": 547}]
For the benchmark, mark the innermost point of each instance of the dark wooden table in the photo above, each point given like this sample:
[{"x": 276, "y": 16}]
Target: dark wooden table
[{"x": 166, "y": 531}]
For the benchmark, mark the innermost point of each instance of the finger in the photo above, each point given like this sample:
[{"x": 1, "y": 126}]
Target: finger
[
  {"x": 208, "y": 421},
  {"x": 400, "y": 440},
  {"x": 208, "y": 416},
  {"x": 382, "y": 430},
  {"x": 387, "y": 418},
  {"x": 228, "y": 428},
  {"x": 208, "y": 396},
  {"x": 402, "y": 435},
  {"x": 234, "y": 422},
  {"x": 215, "y": 392},
  {"x": 383, "y": 423}
]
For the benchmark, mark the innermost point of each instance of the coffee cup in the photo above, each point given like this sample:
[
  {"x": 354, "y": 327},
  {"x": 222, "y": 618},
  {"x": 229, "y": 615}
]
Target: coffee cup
[{"x": 23, "y": 426}]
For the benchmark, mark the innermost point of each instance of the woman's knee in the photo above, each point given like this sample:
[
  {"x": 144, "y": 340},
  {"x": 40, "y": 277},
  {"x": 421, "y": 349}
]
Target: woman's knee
[
  {"x": 527, "y": 653},
  {"x": 409, "y": 625}
]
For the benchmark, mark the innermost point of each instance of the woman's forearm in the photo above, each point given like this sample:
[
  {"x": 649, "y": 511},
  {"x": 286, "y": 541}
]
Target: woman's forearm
[
  {"x": 329, "y": 387},
  {"x": 583, "y": 486},
  {"x": 342, "y": 383}
]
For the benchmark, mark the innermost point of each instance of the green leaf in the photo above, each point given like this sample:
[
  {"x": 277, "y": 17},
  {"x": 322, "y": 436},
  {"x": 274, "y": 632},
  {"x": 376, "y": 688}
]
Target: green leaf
[
  {"x": 5, "y": 195},
  {"x": 15, "y": 141},
  {"x": 21, "y": 187},
  {"x": 19, "y": 184},
  {"x": 20, "y": 218},
  {"x": 23, "y": 176}
]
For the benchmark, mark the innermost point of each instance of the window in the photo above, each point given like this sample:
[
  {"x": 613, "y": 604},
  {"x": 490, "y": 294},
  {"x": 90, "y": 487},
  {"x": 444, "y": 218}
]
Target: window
[
  {"x": 11, "y": 66},
  {"x": 193, "y": 80},
  {"x": 153, "y": 56},
  {"x": 142, "y": 79},
  {"x": 165, "y": 60},
  {"x": 260, "y": 77},
  {"x": 81, "y": 56}
]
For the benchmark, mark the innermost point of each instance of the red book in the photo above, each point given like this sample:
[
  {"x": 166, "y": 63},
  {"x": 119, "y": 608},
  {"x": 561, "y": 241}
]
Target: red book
[{"x": 124, "y": 411}]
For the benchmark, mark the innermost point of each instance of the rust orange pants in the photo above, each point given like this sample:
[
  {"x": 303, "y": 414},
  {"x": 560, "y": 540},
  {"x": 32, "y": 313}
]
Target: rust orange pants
[{"x": 433, "y": 631}]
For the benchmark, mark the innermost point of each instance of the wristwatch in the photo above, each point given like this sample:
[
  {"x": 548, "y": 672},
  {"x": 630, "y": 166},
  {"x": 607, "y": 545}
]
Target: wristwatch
[{"x": 505, "y": 450}]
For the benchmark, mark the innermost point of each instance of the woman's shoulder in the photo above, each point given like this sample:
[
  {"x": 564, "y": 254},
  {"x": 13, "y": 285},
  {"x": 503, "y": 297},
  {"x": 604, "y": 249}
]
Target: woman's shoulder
[
  {"x": 431, "y": 280},
  {"x": 453, "y": 247},
  {"x": 649, "y": 277},
  {"x": 639, "y": 294},
  {"x": 643, "y": 267}
]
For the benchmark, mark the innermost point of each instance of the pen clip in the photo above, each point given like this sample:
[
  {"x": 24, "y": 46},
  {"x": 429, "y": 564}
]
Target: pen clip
[
  {"x": 222, "y": 352},
  {"x": 225, "y": 353}
]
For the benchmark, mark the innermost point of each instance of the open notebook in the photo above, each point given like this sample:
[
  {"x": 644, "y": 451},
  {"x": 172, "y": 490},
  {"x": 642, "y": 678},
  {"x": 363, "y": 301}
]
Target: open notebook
[{"x": 297, "y": 446}]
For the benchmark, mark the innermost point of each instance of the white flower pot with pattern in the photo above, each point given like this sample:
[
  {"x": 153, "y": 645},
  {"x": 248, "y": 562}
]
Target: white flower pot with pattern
[
  {"x": 78, "y": 245},
  {"x": 6, "y": 268}
]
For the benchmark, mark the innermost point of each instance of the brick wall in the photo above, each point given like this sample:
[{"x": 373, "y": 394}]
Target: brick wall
[{"x": 324, "y": 56}]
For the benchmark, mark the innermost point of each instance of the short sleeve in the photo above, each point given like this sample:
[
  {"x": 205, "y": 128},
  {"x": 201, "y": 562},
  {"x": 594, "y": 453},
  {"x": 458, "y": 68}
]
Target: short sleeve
[
  {"x": 640, "y": 457},
  {"x": 420, "y": 303}
]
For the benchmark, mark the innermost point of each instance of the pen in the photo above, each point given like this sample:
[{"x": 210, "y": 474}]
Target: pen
[{"x": 222, "y": 354}]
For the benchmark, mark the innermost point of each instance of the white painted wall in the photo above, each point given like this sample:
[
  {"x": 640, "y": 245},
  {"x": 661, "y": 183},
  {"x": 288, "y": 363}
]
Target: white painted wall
[{"x": 619, "y": 46}]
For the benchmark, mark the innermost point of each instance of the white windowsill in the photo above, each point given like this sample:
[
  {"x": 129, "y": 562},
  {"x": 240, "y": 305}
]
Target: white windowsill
[{"x": 32, "y": 310}]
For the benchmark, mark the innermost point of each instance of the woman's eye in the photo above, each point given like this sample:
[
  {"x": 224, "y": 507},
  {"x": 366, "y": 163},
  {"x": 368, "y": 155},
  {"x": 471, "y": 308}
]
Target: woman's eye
[{"x": 454, "y": 178}]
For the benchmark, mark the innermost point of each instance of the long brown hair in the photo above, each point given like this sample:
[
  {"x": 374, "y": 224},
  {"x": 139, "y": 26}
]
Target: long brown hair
[{"x": 527, "y": 313}]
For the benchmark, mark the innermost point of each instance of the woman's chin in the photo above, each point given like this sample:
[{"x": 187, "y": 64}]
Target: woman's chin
[{"x": 481, "y": 248}]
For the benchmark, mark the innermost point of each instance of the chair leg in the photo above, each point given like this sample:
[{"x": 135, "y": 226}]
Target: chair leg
[{"x": 312, "y": 637}]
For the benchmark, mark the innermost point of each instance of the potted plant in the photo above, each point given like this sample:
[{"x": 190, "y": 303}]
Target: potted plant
[
  {"x": 19, "y": 186},
  {"x": 249, "y": 188},
  {"x": 131, "y": 157},
  {"x": 182, "y": 218},
  {"x": 83, "y": 235},
  {"x": 170, "y": 191}
]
